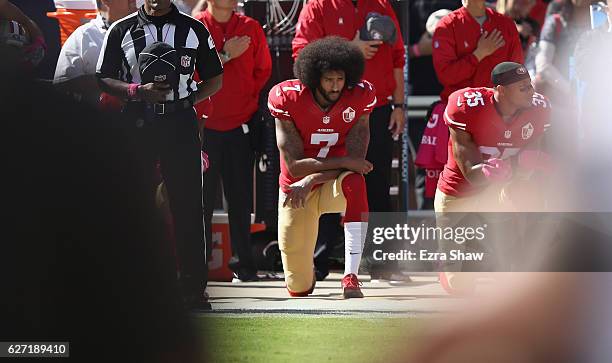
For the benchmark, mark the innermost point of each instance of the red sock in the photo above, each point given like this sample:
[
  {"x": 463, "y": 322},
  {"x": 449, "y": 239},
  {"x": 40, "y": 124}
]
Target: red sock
[{"x": 354, "y": 188}]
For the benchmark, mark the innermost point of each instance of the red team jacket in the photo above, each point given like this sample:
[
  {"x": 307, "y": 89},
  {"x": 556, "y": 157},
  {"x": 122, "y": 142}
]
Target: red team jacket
[
  {"x": 473, "y": 110},
  {"x": 243, "y": 77},
  {"x": 456, "y": 38},
  {"x": 321, "y": 18},
  {"x": 323, "y": 133}
]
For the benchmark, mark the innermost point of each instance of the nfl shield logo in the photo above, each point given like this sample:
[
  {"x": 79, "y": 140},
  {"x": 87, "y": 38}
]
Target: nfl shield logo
[
  {"x": 185, "y": 61},
  {"x": 527, "y": 131},
  {"x": 326, "y": 119},
  {"x": 348, "y": 115},
  {"x": 508, "y": 134}
]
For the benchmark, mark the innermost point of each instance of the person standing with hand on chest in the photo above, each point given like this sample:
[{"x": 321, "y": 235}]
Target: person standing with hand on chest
[
  {"x": 149, "y": 59},
  {"x": 228, "y": 130}
]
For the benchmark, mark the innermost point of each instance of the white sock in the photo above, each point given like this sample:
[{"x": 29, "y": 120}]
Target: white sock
[{"x": 354, "y": 239}]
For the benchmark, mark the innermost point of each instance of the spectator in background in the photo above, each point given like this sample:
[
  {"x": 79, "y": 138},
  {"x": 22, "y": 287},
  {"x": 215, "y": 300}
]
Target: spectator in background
[
  {"x": 538, "y": 12},
  {"x": 519, "y": 11},
  {"x": 528, "y": 28},
  {"x": 384, "y": 69},
  {"x": 228, "y": 136},
  {"x": 469, "y": 43},
  {"x": 75, "y": 72},
  {"x": 516, "y": 9},
  {"x": 422, "y": 74},
  {"x": 566, "y": 22}
]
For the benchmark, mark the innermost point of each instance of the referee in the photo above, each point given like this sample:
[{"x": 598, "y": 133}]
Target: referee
[{"x": 165, "y": 119}]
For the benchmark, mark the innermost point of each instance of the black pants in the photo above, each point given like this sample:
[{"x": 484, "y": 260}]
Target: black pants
[
  {"x": 378, "y": 182},
  {"x": 326, "y": 241},
  {"x": 174, "y": 140},
  {"x": 380, "y": 154},
  {"x": 231, "y": 158}
]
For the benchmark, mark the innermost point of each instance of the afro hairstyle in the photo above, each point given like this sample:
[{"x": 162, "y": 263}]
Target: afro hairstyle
[{"x": 329, "y": 54}]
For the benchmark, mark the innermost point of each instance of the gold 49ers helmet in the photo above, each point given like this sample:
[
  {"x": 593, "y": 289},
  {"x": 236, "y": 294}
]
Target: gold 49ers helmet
[{"x": 158, "y": 63}]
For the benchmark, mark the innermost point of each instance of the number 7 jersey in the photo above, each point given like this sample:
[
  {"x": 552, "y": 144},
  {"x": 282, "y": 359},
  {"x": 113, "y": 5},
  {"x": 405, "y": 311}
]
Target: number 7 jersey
[
  {"x": 323, "y": 132},
  {"x": 473, "y": 110}
]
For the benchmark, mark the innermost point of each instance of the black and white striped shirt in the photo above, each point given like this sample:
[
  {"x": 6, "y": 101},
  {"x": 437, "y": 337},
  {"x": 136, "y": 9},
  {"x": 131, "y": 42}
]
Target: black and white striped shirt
[{"x": 127, "y": 37}]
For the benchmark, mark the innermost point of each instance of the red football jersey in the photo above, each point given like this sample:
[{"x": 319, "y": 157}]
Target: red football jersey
[
  {"x": 323, "y": 133},
  {"x": 473, "y": 110}
]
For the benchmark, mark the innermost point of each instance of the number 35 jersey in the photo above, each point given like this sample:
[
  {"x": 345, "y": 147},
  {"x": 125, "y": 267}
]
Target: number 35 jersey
[
  {"x": 473, "y": 110},
  {"x": 323, "y": 132}
]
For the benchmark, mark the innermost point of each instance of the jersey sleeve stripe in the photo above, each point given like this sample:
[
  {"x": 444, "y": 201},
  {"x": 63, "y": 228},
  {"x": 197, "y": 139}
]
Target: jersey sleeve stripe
[
  {"x": 371, "y": 104},
  {"x": 281, "y": 112},
  {"x": 451, "y": 121}
]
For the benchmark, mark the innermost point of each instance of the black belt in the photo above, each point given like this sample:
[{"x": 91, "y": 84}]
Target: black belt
[{"x": 169, "y": 107}]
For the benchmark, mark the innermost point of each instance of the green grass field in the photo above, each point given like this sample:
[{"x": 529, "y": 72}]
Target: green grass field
[{"x": 300, "y": 338}]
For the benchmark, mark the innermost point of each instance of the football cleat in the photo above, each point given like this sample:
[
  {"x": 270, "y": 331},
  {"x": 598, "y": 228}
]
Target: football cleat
[
  {"x": 304, "y": 293},
  {"x": 350, "y": 287}
]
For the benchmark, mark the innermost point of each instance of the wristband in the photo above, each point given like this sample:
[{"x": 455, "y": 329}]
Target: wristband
[
  {"x": 415, "y": 50},
  {"x": 132, "y": 91}
]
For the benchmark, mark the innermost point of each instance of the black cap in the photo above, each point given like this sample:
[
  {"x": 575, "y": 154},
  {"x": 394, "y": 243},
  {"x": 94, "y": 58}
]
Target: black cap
[
  {"x": 507, "y": 73},
  {"x": 158, "y": 63},
  {"x": 378, "y": 27}
]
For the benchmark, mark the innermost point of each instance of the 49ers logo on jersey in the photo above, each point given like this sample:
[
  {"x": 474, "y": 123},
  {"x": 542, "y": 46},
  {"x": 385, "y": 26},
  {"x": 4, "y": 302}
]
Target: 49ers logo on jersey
[
  {"x": 348, "y": 115},
  {"x": 527, "y": 131}
]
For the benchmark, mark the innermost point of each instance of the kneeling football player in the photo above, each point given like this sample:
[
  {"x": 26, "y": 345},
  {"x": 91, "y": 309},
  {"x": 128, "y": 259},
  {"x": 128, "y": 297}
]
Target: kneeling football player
[
  {"x": 494, "y": 150},
  {"x": 322, "y": 134}
]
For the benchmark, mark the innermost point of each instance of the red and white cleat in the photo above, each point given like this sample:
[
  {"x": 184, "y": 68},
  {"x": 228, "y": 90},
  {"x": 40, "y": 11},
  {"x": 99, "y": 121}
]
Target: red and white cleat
[{"x": 350, "y": 287}]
